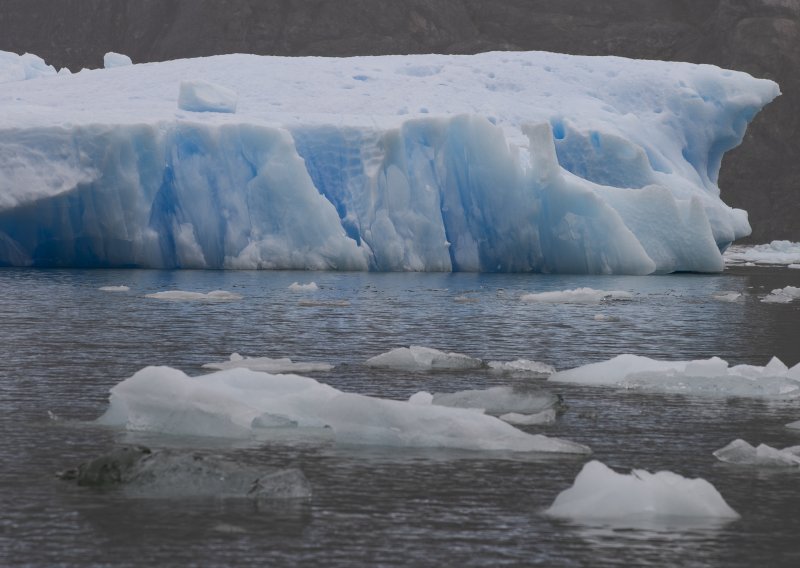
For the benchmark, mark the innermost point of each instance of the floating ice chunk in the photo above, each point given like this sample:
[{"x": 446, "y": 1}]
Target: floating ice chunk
[
  {"x": 782, "y": 295},
  {"x": 577, "y": 296},
  {"x": 234, "y": 404},
  {"x": 466, "y": 300},
  {"x": 415, "y": 358},
  {"x": 15, "y": 67},
  {"x": 267, "y": 365},
  {"x": 143, "y": 473},
  {"x": 727, "y": 296},
  {"x": 606, "y": 317},
  {"x": 703, "y": 377},
  {"x": 111, "y": 60},
  {"x": 297, "y": 287},
  {"x": 522, "y": 366},
  {"x": 499, "y": 400},
  {"x": 544, "y": 417},
  {"x": 793, "y": 266},
  {"x": 794, "y": 425},
  {"x": 740, "y": 452},
  {"x": 601, "y": 494},
  {"x": 114, "y": 288},
  {"x": 202, "y": 96},
  {"x": 775, "y": 253},
  {"x": 182, "y": 296}
]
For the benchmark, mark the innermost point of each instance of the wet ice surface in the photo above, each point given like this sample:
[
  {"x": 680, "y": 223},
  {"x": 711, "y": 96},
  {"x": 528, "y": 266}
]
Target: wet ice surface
[{"x": 65, "y": 343}]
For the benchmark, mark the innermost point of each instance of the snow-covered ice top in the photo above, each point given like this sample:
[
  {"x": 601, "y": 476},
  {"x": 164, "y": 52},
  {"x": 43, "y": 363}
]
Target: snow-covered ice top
[
  {"x": 14, "y": 67},
  {"x": 491, "y": 162},
  {"x": 240, "y": 403},
  {"x": 711, "y": 377},
  {"x": 601, "y": 494}
]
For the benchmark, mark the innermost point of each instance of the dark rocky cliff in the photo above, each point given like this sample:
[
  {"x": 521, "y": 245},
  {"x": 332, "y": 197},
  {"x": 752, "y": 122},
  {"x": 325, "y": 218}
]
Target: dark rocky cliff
[{"x": 761, "y": 37}]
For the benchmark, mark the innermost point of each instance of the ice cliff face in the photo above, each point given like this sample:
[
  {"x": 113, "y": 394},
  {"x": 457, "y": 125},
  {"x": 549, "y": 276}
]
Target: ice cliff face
[{"x": 494, "y": 162}]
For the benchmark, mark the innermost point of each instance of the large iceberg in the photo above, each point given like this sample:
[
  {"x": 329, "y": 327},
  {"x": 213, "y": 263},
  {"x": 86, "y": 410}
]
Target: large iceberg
[
  {"x": 492, "y": 162},
  {"x": 243, "y": 404}
]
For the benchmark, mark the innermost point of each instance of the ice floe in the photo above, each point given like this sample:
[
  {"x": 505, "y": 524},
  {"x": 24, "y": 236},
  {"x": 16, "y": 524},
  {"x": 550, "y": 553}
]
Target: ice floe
[
  {"x": 601, "y": 494},
  {"x": 782, "y": 295},
  {"x": 742, "y": 453},
  {"x": 522, "y": 366},
  {"x": 794, "y": 425},
  {"x": 577, "y": 296},
  {"x": 544, "y": 417},
  {"x": 114, "y": 288},
  {"x": 245, "y": 404},
  {"x": 775, "y": 253},
  {"x": 268, "y": 365},
  {"x": 309, "y": 287},
  {"x": 701, "y": 377},
  {"x": 182, "y": 296},
  {"x": 497, "y": 401},
  {"x": 727, "y": 296},
  {"x": 415, "y": 358}
]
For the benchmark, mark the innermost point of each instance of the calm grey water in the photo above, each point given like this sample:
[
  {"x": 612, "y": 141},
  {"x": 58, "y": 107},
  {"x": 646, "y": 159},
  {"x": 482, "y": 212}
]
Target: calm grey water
[{"x": 64, "y": 343}]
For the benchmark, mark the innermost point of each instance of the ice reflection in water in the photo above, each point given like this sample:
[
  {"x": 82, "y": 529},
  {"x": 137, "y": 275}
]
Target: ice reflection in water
[{"x": 64, "y": 343}]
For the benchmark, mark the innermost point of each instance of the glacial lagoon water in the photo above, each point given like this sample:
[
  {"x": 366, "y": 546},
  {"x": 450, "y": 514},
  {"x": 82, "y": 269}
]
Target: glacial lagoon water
[{"x": 64, "y": 343}]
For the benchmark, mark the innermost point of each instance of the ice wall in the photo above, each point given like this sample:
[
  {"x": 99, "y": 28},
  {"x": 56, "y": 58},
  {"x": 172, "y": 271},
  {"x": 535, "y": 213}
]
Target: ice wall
[{"x": 494, "y": 162}]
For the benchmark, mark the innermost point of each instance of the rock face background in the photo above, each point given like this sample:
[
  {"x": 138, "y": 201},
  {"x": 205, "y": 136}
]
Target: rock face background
[{"x": 761, "y": 37}]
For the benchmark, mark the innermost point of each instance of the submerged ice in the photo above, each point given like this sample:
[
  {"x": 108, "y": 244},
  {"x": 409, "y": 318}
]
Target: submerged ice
[
  {"x": 240, "y": 403},
  {"x": 511, "y": 162}
]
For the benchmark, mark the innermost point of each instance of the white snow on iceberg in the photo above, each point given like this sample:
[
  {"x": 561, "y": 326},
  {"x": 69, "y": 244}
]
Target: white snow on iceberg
[
  {"x": 741, "y": 453},
  {"x": 416, "y": 358},
  {"x": 712, "y": 377},
  {"x": 601, "y": 494},
  {"x": 775, "y": 253},
  {"x": 514, "y": 162},
  {"x": 15, "y": 67},
  {"x": 577, "y": 296},
  {"x": 268, "y": 365},
  {"x": 240, "y": 403}
]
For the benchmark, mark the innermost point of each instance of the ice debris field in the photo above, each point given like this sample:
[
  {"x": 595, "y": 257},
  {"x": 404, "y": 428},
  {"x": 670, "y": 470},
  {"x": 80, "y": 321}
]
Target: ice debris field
[{"x": 492, "y": 162}]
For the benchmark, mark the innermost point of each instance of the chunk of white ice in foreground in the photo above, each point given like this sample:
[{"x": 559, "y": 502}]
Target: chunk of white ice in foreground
[
  {"x": 415, "y": 358},
  {"x": 267, "y": 365},
  {"x": 742, "y": 453},
  {"x": 234, "y": 403},
  {"x": 111, "y": 60},
  {"x": 711, "y": 377},
  {"x": 600, "y": 493},
  {"x": 577, "y": 296},
  {"x": 183, "y": 296},
  {"x": 202, "y": 96}
]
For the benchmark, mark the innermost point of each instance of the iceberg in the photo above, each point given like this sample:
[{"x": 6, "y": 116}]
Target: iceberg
[
  {"x": 504, "y": 162},
  {"x": 244, "y": 404},
  {"x": 741, "y": 453},
  {"x": 416, "y": 358},
  {"x": 704, "y": 377},
  {"x": 268, "y": 365},
  {"x": 601, "y": 494}
]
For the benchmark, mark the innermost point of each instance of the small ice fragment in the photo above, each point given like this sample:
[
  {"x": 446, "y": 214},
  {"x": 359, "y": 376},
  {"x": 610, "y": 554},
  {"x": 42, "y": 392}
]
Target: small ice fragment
[
  {"x": 111, "y": 60},
  {"x": 727, "y": 296},
  {"x": 421, "y": 397},
  {"x": 782, "y": 295},
  {"x": 793, "y": 266},
  {"x": 465, "y": 300},
  {"x": 600, "y": 493},
  {"x": 415, "y": 358},
  {"x": 522, "y": 366},
  {"x": 202, "y": 96},
  {"x": 794, "y": 425},
  {"x": 267, "y": 365},
  {"x": 741, "y": 453},
  {"x": 544, "y": 417},
  {"x": 182, "y": 296},
  {"x": 114, "y": 288},
  {"x": 605, "y": 317},
  {"x": 496, "y": 401},
  {"x": 577, "y": 296},
  {"x": 297, "y": 287}
]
